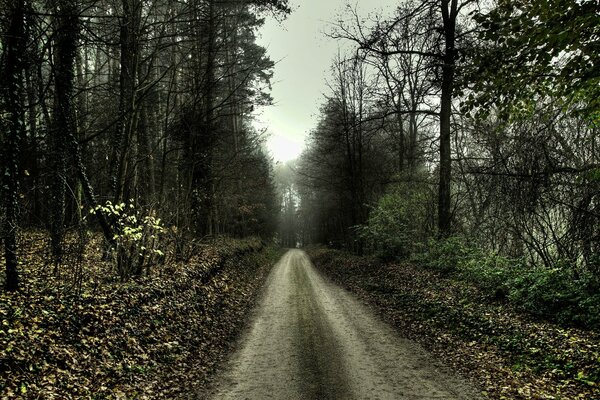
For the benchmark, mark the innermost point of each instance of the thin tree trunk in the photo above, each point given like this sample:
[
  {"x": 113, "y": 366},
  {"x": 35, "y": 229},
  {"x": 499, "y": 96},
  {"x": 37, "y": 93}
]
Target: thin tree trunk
[
  {"x": 82, "y": 122},
  {"x": 130, "y": 24},
  {"x": 12, "y": 75}
]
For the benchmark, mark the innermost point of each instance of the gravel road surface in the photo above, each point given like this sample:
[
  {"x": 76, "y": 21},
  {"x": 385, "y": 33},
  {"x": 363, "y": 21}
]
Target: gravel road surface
[{"x": 310, "y": 339}]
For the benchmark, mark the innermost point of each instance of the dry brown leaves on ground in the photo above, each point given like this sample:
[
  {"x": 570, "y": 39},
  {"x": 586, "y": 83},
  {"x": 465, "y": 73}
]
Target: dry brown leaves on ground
[{"x": 158, "y": 336}]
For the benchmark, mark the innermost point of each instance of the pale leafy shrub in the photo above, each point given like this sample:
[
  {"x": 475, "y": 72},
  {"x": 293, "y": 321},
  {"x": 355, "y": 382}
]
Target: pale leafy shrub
[{"x": 137, "y": 238}]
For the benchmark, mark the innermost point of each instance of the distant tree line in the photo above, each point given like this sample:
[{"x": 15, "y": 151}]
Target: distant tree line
[
  {"x": 461, "y": 118},
  {"x": 134, "y": 102}
]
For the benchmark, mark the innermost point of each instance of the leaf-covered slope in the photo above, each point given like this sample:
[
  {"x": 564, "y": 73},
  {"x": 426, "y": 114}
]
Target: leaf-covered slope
[
  {"x": 156, "y": 337},
  {"x": 508, "y": 354}
]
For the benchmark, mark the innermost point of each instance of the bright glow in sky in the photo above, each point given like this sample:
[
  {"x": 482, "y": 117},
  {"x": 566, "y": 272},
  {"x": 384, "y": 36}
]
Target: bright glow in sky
[
  {"x": 303, "y": 55},
  {"x": 284, "y": 148}
]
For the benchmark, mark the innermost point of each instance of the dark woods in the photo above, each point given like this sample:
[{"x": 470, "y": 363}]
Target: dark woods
[
  {"x": 463, "y": 135},
  {"x": 138, "y": 111},
  {"x": 460, "y": 133}
]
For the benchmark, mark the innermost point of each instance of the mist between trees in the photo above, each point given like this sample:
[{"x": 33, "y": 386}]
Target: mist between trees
[
  {"x": 139, "y": 111},
  {"x": 446, "y": 119},
  {"x": 459, "y": 136},
  {"x": 463, "y": 135}
]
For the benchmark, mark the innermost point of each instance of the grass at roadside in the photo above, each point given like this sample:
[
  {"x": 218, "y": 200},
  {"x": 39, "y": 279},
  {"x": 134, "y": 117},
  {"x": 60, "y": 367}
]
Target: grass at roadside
[{"x": 508, "y": 354}]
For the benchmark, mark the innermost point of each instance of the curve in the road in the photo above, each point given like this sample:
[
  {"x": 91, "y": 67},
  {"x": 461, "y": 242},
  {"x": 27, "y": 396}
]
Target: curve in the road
[{"x": 310, "y": 339}]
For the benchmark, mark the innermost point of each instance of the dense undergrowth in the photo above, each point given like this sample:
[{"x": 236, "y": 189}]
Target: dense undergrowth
[
  {"x": 561, "y": 294},
  {"x": 508, "y": 353},
  {"x": 80, "y": 333}
]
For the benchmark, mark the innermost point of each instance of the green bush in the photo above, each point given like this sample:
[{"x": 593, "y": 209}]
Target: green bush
[
  {"x": 544, "y": 291},
  {"x": 590, "y": 308},
  {"x": 556, "y": 294},
  {"x": 398, "y": 225},
  {"x": 138, "y": 238},
  {"x": 445, "y": 255},
  {"x": 492, "y": 273}
]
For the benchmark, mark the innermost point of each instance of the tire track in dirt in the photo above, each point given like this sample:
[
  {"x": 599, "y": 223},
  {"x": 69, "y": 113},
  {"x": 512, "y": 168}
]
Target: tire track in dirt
[{"x": 310, "y": 339}]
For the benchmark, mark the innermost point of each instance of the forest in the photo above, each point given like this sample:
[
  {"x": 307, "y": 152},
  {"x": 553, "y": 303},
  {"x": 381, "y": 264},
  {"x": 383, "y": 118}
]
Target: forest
[
  {"x": 138, "y": 112},
  {"x": 463, "y": 135},
  {"x": 457, "y": 142}
]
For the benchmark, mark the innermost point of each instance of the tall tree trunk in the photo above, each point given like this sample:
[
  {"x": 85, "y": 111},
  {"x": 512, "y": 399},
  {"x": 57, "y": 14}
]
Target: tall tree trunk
[
  {"x": 449, "y": 14},
  {"x": 208, "y": 125},
  {"x": 130, "y": 25},
  {"x": 171, "y": 98},
  {"x": 412, "y": 140},
  {"x": 401, "y": 138},
  {"x": 202, "y": 141},
  {"x": 63, "y": 122},
  {"x": 33, "y": 145},
  {"x": 14, "y": 65},
  {"x": 82, "y": 120},
  {"x": 146, "y": 129}
]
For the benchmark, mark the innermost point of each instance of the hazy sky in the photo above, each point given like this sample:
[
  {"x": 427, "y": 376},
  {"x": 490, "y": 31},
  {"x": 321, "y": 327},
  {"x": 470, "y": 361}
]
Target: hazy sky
[{"x": 303, "y": 55}]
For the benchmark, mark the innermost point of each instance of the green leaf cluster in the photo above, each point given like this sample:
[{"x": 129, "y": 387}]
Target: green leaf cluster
[
  {"x": 397, "y": 226},
  {"x": 137, "y": 237},
  {"x": 557, "y": 294},
  {"x": 531, "y": 49}
]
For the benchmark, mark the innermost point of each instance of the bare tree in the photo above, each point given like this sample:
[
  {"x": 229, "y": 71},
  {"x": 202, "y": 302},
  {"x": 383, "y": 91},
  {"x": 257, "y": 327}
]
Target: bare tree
[{"x": 443, "y": 52}]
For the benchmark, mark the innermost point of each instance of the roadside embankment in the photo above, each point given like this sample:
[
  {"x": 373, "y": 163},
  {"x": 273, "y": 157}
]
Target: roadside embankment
[
  {"x": 157, "y": 336},
  {"x": 509, "y": 354}
]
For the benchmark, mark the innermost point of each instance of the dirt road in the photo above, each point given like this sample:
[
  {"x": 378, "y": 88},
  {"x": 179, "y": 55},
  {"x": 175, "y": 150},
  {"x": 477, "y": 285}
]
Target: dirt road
[{"x": 310, "y": 339}]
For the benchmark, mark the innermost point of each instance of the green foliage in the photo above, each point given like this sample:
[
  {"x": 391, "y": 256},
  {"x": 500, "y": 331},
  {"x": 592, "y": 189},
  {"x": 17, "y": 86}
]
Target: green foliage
[
  {"x": 547, "y": 48},
  {"x": 493, "y": 273},
  {"x": 556, "y": 294},
  {"x": 398, "y": 225},
  {"x": 137, "y": 238},
  {"x": 593, "y": 175},
  {"x": 445, "y": 255}
]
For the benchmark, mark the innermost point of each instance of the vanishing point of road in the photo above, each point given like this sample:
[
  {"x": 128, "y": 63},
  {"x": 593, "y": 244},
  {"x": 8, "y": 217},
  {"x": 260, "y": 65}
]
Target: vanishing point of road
[{"x": 310, "y": 339}]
